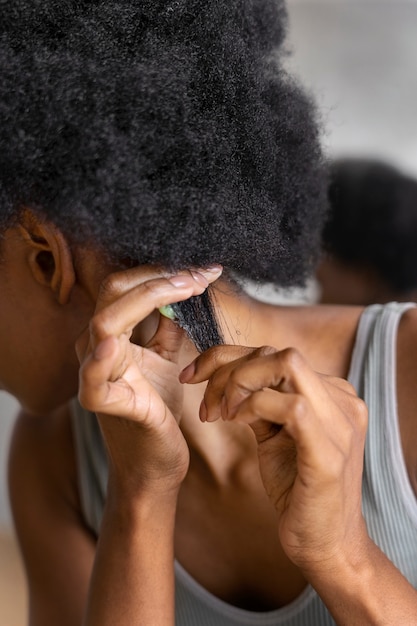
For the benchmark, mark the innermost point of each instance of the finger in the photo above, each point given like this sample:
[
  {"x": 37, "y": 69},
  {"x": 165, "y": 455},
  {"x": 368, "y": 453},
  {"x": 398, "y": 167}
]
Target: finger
[
  {"x": 115, "y": 285},
  {"x": 272, "y": 407},
  {"x": 134, "y": 306},
  {"x": 283, "y": 370},
  {"x": 230, "y": 383},
  {"x": 205, "y": 365},
  {"x": 217, "y": 365},
  {"x": 96, "y": 375},
  {"x": 100, "y": 389},
  {"x": 343, "y": 394},
  {"x": 288, "y": 371},
  {"x": 265, "y": 405},
  {"x": 167, "y": 340},
  {"x": 334, "y": 415},
  {"x": 271, "y": 414},
  {"x": 339, "y": 383}
]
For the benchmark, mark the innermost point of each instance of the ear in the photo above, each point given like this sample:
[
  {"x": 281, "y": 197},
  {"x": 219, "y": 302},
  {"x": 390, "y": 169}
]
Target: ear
[{"x": 49, "y": 256}]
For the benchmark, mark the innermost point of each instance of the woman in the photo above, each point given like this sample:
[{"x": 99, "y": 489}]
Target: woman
[{"x": 152, "y": 154}]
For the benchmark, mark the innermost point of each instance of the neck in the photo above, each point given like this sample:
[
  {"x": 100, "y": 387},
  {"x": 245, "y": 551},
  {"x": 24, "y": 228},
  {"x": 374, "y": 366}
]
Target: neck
[{"x": 241, "y": 317}]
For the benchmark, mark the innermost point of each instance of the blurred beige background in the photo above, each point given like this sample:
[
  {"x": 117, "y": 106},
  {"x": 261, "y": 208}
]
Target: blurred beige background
[{"x": 359, "y": 57}]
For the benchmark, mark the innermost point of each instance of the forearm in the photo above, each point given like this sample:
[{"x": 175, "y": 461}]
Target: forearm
[
  {"x": 133, "y": 576},
  {"x": 367, "y": 590}
]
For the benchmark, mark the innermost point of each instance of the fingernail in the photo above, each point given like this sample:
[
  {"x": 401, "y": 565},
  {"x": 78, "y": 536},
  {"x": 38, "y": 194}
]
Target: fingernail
[
  {"x": 180, "y": 281},
  {"x": 212, "y": 273},
  {"x": 211, "y": 269},
  {"x": 187, "y": 373},
  {"x": 199, "y": 278}
]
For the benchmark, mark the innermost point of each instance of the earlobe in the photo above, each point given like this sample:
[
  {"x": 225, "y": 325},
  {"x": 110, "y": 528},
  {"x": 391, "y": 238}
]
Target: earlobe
[{"x": 50, "y": 257}]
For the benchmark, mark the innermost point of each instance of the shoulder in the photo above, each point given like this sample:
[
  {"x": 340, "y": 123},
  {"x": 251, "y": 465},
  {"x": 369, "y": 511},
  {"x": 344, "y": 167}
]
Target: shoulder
[
  {"x": 407, "y": 358},
  {"x": 407, "y": 390},
  {"x": 57, "y": 548},
  {"x": 331, "y": 333},
  {"x": 407, "y": 335}
]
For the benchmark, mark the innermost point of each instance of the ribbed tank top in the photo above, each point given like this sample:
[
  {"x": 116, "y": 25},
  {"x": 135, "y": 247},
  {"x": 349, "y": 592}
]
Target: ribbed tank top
[{"x": 389, "y": 503}]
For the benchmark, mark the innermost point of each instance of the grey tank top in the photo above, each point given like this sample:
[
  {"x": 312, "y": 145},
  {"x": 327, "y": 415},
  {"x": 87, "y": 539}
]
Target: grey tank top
[{"x": 389, "y": 503}]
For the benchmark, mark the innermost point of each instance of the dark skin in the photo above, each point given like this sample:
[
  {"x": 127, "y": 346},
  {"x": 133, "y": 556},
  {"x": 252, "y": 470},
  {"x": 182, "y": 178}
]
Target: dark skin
[{"x": 213, "y": 482}]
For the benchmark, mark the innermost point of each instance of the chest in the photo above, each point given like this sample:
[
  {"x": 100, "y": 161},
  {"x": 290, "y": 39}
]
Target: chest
[{"x": 227, "y": 540}]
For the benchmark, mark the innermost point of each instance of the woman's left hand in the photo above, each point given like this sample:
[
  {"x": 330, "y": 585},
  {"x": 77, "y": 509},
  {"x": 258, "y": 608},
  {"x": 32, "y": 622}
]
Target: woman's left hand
[
  {"x": 310, "y": 429},
  {"x": 133, "y": 387}
]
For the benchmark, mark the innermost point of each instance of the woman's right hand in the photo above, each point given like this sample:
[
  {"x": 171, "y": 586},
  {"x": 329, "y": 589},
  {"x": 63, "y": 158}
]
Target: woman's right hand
[
  {"x": 310, "y": 429},
  {"x": 134, "y": 390}
]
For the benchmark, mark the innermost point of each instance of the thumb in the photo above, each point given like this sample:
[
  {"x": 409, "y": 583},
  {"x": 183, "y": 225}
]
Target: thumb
[{"x": 167, "y": 340}]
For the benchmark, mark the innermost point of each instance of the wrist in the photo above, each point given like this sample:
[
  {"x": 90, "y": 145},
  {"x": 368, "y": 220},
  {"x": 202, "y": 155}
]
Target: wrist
[
  {"x": 133, "y": 576},
  {"x": 150, "y": 501},
  {"x": 142, "y": 486},
  {"x": 351, "y": 579}
]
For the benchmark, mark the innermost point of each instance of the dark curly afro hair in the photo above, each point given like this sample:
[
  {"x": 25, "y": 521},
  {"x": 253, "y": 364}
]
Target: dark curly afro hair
[
  {"x": 163, "y": 131},
  {"x": 373, "y": 220}
]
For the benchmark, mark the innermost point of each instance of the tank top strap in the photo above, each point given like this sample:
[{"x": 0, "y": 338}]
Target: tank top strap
[{"x": 389, "y": 502}]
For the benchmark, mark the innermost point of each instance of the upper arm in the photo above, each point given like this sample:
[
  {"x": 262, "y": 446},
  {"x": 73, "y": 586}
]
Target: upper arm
[
  {"x": 407, "y": 391},
  {"x": 57, "y": 549}
]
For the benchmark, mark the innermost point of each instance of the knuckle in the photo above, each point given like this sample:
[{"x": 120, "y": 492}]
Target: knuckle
[
  {"x": 233, "y": 379},
  {"x": 98, "y": 325},
  {"x": 214, "y": 353},
  {"x": 348, "y": 387},
  {"x": 340, "y": 383},
  {"x": 292, "y": 359},
  {"x": 361, "y": 413},
  {"x": 219, "y": 356},
  {"x": 253, "y": 405},
  {"x": 151, "y": 289},
  {"x": 265, "y": 351},
  {"x": 113, "y": 286},
  {"x": 210, "y": 360},
  {"x": 236, "y": 381},
  {"x": 85, "y": 400},
  {"x": 299, "y": 408}
]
